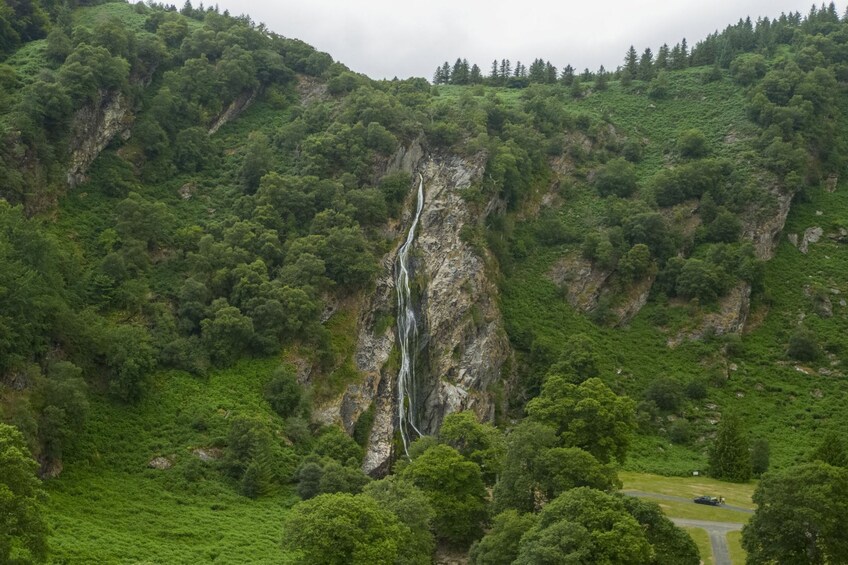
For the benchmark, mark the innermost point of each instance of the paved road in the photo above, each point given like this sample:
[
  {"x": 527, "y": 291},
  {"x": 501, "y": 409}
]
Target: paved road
[
  {"x": 716, "y": 530},
  {"x": 640, "y": 494},
  {"x": 718, "y": 536}
]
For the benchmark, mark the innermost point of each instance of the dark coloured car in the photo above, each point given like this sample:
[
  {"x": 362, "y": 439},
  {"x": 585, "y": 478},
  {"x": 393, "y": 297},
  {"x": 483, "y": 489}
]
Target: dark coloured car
[{"x": 711, "y": 500}]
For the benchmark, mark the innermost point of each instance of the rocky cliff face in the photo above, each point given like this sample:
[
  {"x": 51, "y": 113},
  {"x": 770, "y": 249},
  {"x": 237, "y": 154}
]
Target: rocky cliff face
[
  {"x": 467, "y": 343},
  {"x": 586, "y": 284},
  {"x": 93, "y": 129},
  {"x": 234, "y": 110},
  {"x": 462, "y": 346}
]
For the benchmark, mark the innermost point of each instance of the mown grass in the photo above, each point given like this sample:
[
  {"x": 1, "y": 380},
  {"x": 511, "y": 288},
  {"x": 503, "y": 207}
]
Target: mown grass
[
  {"x": 734, "y": 544},
  {"x": 692, "y": 511},
  {"x": 735, "y": 494},
  {"x": 702, "y": 540},
  {"x": 109, "y": 507}
]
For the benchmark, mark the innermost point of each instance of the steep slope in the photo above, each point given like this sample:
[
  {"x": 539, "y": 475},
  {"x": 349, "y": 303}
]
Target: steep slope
[{"x": 462, "y": 346}]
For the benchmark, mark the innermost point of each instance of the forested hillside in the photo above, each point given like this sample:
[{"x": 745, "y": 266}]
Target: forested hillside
[{"x": 639, "y": 269}]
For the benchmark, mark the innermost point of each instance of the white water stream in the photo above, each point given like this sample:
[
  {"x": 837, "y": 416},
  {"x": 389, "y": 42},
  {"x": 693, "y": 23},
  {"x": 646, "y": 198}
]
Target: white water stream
[{"x": 407, "y": 334}]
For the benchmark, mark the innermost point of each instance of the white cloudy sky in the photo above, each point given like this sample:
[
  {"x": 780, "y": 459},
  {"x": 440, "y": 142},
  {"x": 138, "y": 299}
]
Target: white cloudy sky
[{"x": 386, "y": 38}]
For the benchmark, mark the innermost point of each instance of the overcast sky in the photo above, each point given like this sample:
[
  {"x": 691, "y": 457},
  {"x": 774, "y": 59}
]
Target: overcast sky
[{"x": 387, "y": 38}]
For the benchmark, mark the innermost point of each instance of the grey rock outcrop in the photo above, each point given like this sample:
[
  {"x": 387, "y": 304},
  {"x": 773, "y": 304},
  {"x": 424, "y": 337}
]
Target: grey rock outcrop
[
  {"x": 234, "y": 110},
  {"x": 581, "y": 281},
  {"x": 160, "y": 463},
  {"x": 467, "y": 342},
  {"x": 462, "y": 346},
  {"x": 94, "y": 127},
  {"x": 728, "y": 318},
  {"x": 811, "y": 235},
  {"x": 763, "y": 229}
]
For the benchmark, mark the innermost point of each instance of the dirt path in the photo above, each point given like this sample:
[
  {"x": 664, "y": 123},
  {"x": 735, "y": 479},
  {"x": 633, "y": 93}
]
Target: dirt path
[{"x": 718, "y": 536}]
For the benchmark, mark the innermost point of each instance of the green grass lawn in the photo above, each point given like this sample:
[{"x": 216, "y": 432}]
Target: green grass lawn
[
  {"x": 693, "y": 511},
  {"x": 735, "y": 494},
  {"x": 734, "y": 543},
  {"x": 702, "y": 540},
  {"x": 108, "y": 507}
]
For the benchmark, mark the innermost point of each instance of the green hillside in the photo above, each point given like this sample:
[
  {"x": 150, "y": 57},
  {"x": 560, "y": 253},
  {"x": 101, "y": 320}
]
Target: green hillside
[{"x": 195, "y": 214}]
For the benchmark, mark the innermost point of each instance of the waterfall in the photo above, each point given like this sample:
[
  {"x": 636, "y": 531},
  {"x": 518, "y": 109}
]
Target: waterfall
[{"x": 407, "y": 333}]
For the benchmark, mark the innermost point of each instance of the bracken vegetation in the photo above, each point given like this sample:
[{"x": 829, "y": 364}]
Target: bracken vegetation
[{"x": 194, "y": 209}]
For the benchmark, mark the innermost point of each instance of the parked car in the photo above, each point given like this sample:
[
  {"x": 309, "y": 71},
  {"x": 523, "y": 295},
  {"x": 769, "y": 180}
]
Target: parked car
[{"x": 711, "y": 500}]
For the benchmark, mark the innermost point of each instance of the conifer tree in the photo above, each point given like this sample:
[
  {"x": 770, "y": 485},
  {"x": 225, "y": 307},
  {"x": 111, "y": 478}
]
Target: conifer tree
[
  {"x": 646, "y": 65},
  {"x": 601, "y": 79},
  {"x": 760, "y": 456},
  {"x": 460, "y": 72},
  {"x": 662, "y": 58},
  {"x": 493, "y": 74},
  {"x": 631, "y": 61},
  {"x": 675, "y": 59},
  {"x": 576, "y": 88},
  {"x": 475, "y": 75},
  {"x": 537, "y": 71},
  {"x": 446, "y": 72},
  {"x": 567, "y": 77},
  {"x": 520, "y": 70},
  {"x": 730, "y": 457},
  {"x": 506, "y": 69},
  {"x": 550, "y": 73}
]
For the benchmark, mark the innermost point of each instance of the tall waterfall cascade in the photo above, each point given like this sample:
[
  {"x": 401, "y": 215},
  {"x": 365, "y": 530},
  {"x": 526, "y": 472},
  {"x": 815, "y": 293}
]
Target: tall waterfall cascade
[{"x": 407, "y": 327}]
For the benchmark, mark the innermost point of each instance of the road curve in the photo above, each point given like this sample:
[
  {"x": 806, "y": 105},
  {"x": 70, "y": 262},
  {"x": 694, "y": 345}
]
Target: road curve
[
  {"x": 716, "y": 530},
  {"x": 718, "y": 536}
]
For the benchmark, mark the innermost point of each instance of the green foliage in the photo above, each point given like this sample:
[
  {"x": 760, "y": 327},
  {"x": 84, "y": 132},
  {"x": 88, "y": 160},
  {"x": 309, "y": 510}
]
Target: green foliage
[
  {"x": 32, "y": 287},
  {"x": 258, "y": 159},
  {"x": 500, "y": 544},
  {"x": 363, "y": 425},
  {"x": 227, "y": 334},
  {"x": 23, "y": 536},
  {"x": 831, "y": 450},
  {"x": 363, "y": 532},
  {"x": 481, "y": 443},
  {"x": 803, "y": 345},
  {"x": 255, "y": 457},
  {"x": 454, "y": 487},
  {"x": 62, "y": 401},
  {"x": 636, "y": 263},
  {"x": 666, "y": 393},
  {"x": 659, "y": 87},
  {"x": 579, "y": 359},
  {"x": 589, "y": 416},
  {"x": 747, "y": 68},
  {"x": 413, "y": 510},
  {"x": 670, "y": 544},
  {"x": 283, "y": 392},
  {"x": 536, "y": 469},
  {"x": 617, "y": 177},
  {"x": 799, "y": 516},
  {"x": 585, "y": 525},
  {"x": 760, "y": 452},
  {"x": 692, "y": 144},
  {"x": 730, "y": 456},
  {"x": 339, "y": 446}
]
